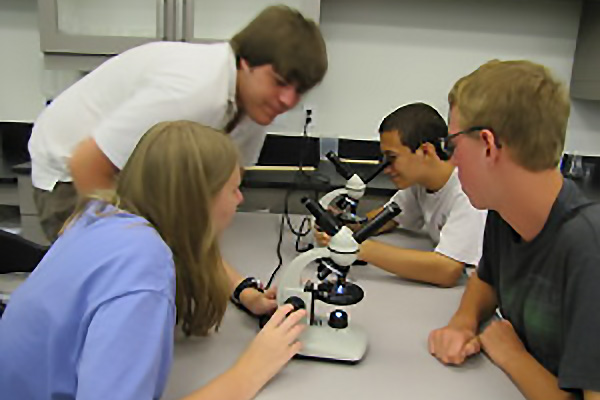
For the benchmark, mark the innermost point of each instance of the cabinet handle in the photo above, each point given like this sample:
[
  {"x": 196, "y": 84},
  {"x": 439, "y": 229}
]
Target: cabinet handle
[
  {"x": 160, "y": 19},
  {"x": 188, "y": 20},
  {"x": 169, "y": 20}
]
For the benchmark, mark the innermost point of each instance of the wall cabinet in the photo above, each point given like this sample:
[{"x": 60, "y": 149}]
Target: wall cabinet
[
  {"x": 585, "y": 80},
  {"x": 80, "y": 34}
]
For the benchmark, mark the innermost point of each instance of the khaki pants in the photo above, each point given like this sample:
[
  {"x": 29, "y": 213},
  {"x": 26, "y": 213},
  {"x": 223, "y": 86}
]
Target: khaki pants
[{"x": 55, "y": 207}]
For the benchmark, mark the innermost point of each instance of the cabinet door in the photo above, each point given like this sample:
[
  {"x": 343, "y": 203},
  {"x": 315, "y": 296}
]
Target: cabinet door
[
  {"x": 585, "y": 79},
  {"x": 209, "y": 21},
  {"x": 103, "y": 27}
]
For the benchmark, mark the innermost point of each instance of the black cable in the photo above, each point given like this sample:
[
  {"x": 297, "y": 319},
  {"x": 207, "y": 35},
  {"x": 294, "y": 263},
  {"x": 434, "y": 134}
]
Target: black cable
[
  {"x": 320, "y": 178},
  {"x": 300, "y": 236},
  {"x": 285, "y": 217},
  {"x": 302, "y": 231},
  {"x": 299, "y": 232},
  {"x": 307, "y": 121},
  {"x": 278, "y": 251}
]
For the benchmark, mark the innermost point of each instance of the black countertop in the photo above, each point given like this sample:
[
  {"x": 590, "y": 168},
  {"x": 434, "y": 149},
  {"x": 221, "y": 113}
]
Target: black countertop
[
  {"x": 7, "y": 173},
  {"x": 23, "y": 169},
  {"x": 323, "y": 179}
]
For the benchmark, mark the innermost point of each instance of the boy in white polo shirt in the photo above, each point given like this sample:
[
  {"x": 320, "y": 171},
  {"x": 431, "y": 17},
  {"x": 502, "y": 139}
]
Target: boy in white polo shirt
[
  {"x": 86, "y": 135},
  {"x": 431, "y": 199}
]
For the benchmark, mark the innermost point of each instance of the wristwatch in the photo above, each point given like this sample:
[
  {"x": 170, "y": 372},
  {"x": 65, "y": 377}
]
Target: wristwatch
[{"x": 249, "y": 282}]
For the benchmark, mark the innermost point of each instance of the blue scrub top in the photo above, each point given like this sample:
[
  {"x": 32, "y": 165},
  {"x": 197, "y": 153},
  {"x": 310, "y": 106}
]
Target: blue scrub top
[{"x": 96, "y": 318}]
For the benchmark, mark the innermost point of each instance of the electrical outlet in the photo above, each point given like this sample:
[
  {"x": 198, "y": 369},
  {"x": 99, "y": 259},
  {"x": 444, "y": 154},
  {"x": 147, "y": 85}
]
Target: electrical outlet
[{"x": 309, "y": 116}]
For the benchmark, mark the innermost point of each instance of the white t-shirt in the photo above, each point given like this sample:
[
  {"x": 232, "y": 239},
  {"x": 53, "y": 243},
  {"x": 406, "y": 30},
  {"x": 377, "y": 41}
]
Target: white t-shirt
[
  {"x": 128, "y": 94},
  {"x": 447, "y": 216}
]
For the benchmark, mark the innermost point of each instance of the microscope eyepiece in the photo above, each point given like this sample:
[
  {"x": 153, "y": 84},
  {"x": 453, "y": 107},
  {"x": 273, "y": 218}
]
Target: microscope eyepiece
[
  {"x": 326, "y": 221},
  {"x": 387, "y": 214},
  {"x": 340, "y": 167}
]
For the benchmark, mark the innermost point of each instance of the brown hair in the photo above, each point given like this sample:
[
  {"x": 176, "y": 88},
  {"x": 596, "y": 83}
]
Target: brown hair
[
  {"x": 282, "y": 37},
  {"x": 522, "y": 103},
  {"x": 171, "y": 179}
]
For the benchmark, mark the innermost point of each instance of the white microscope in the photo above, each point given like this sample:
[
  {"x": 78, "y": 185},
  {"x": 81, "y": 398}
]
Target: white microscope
[
  {"x": 346, "y": 199},
  {"x": 343, "y": 202},
  {"x": 330, "y": 337}
]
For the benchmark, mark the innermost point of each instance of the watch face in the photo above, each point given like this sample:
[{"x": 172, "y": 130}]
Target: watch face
[{"x": 245, "y": 284}]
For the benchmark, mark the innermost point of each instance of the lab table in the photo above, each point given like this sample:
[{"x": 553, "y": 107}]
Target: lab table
[{"x": 397, "y": 314}]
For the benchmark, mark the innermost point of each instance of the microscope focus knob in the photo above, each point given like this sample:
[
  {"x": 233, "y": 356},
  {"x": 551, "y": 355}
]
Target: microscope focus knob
[
  {"x": 338, "y": 319},
  {"x": 297, "y": 302}
]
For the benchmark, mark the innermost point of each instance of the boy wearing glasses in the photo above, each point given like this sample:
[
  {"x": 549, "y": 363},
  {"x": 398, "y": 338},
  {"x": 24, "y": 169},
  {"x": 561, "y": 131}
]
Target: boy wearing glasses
[
  {"x": 431, "y": 199},
  {"x": 540, "y": 264}
]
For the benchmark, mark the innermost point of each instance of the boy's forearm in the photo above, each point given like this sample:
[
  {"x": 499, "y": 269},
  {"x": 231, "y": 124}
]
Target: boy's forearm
[
  {"x": 423, "y": 266},
  {"x": 477, "y": 303},
  {"x": 87, "y": 182},
  {"x": 533, "y": 380},
  {"x": 90, "y": 168}
]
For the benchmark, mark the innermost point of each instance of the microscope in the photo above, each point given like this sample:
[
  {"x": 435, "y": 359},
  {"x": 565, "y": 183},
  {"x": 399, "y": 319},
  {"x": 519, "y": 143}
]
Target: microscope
[
  {"x": 330, "y": 336},
  {"x": 343, "y": 202},
  {"x": 346, "y": 199}
]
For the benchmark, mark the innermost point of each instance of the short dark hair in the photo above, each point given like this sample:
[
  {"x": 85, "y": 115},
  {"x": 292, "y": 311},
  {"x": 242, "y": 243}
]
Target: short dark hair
[
  {"x": 283, "y": 37},
  {"x": 417, "y": 123}
]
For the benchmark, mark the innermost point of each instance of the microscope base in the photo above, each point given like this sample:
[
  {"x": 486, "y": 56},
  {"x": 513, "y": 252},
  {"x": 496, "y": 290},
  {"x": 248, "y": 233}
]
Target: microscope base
[{"x": 347, "y": 345}]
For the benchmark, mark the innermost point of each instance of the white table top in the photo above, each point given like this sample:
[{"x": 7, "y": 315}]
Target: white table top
[{"x": 398, "y": 316}]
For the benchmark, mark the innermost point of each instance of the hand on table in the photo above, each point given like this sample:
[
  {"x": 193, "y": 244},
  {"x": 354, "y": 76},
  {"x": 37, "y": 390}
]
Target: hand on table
[
  {"x": 274, "y": 345},
  {"x": 501, "y": 343},
  {"x": 257, "y": 302},
  {"x": 453, "y": 345}
]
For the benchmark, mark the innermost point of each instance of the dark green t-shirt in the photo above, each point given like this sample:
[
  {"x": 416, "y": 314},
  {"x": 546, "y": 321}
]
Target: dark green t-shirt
[{"x": 549, "y": 288}]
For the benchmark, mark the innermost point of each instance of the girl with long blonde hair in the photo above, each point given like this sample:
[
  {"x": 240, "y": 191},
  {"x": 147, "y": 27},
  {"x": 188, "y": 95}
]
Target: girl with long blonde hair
[{"x": 96, "y": 318}]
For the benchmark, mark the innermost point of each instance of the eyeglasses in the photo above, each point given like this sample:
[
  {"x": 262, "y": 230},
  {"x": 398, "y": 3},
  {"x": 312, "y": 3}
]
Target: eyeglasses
[{"x": 447, "y": 145}]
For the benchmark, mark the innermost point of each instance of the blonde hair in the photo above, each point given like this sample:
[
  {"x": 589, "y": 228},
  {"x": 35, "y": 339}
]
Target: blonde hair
[
  {"x": 522, "y": 103},
  {"x": 171, "y": 179}
]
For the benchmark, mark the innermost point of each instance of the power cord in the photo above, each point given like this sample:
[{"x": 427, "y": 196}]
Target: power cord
[
  {"x": 307, "y": 121},
  {"x": 278, "y": 251},
  {"x": 302, "y": 230}
]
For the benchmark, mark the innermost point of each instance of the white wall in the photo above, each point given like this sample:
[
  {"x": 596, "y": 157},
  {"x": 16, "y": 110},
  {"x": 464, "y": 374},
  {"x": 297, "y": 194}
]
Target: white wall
[
  {"x": 383, "y": 53},
  {"x": 21, "y": 97},
  {"x": 24, "y": 84}
]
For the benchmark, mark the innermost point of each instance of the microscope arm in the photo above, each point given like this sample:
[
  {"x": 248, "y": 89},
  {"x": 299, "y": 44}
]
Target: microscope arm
[
  {"x": 291, "y": 277},
  {"x": 327, "y": 199}
]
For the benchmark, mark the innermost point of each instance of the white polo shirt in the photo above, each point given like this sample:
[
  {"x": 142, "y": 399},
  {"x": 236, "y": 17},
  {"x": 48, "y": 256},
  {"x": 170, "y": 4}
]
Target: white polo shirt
[
  {"x": 128, "y": 94},
  {"x": 448, "y": 218}
]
